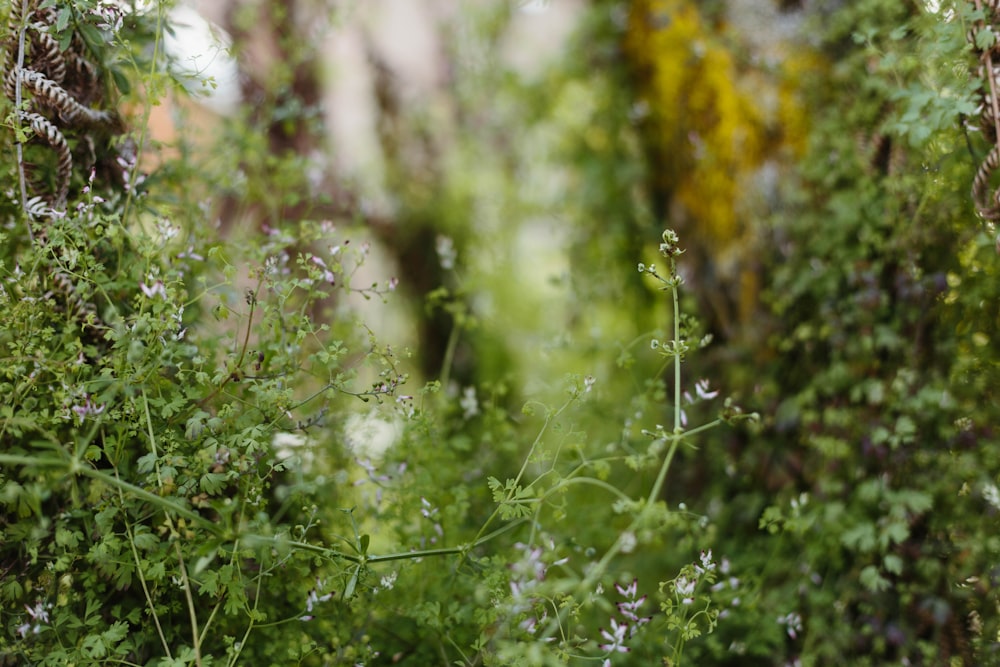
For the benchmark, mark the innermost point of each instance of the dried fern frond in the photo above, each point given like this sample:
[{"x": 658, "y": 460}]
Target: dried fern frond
[
  {"x": 53, "y": 89},
  {"x": 986, "y": 197}
]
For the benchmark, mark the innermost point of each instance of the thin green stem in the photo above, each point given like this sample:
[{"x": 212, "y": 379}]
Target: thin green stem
[
  {"x": 192, "y": 613},
  {"x": 163, "y": 503},
  {"x": 601, "y": 484},
  {"x": 22, "y": 180},
  {"x": 152, "y": 438},
  {"x": 524, "y": 466},
  {"x": 45, "y": 462},
  {"x": 678, "y": 436},
  {"x": 75, "y": 467},
  {"x": 677, "y": 357},
  {"x": 370, "y": 559},
  {"x": 449, "y": 355},
  {"x": 251, "y": 625},
  {"x": 233, "y": 375},
  {"x": 147, "y": 112},
  {"x": 142, "y": 582}
]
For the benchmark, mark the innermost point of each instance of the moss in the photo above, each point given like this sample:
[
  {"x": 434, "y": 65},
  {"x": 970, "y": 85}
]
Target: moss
[
  {"x": 710, "y": 132},
  {"x": 718, "y": 111}
]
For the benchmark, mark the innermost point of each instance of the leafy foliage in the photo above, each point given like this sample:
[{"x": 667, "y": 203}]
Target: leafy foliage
[{"x": 207, "y": 456}]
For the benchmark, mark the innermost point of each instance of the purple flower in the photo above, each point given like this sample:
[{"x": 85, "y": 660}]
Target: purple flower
[
  {"x": 631, "y": 605},
  {"x": 328, "y": 275},
  {"x": 88, "y": 408},
  {"x": 157, "y": 289}
]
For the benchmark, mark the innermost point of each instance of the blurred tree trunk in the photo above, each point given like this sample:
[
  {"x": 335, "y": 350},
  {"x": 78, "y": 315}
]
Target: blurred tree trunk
[
  {"x": 278, "y": 45},
  {"x": 282, "y": 89}
]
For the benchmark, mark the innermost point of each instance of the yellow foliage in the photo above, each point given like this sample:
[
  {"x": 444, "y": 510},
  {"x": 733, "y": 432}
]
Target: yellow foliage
[{"x": 712, "y": 124}]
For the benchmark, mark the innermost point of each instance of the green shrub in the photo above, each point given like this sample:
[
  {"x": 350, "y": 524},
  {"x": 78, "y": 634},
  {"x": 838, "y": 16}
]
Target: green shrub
[{"x": 207, "y": 457}]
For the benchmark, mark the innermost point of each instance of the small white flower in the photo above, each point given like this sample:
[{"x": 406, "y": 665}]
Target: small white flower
[
  {"x": 629, "y": 591},
  {"x": 164, "y": 228},
  {"x": 991, "y": 494},
  {"x": 469, "y": 404},
  {"x": 370, "y": 435},
  {"x": 706, "y": 563},
  {"x": 427, "y": 510},
  {"x": 445, "y": 247},
  {"x": 191, "y": 254},
  {"x": 629, "y": 608},
  {"x": 39, "y": 616},
  {"x": 685, "y": 588},
  {"x": 111, "y": 18},
  {"x": 615, "y": 638},
  {"x": 328, "y": 275},
  {"x": 792, "y": 622},
  {"x": 701, "y": 388}
]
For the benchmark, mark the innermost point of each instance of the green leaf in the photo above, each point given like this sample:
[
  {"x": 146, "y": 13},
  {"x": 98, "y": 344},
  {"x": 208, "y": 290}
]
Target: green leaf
[
  {"x": 872, "y": 580},
  {"x": 146, "y": 463},
  {"x": 62, "y": 18},
  {"x": 352, "y": 583},
  {"x": 117, "y": 632},
  {"x": 859, "y": 538},
  {"x": 205, "y": 561},
  {"x": 985, "y": 38},
  {"x": 145, "y": 539},
  {"x": 896, "y": 531},
  {"x": 122, "y": 83},
  {"x": 91, "y": 36},
  {"x": 893, "y": 564},
  {"x": 11, "y": 590},
  {"x": 93, "y": 646},
  {"x": 497, "y": 488},
  {"x": 916, "y": 502},
  {"x": 105, "y": 520},
  {"x": 213, "y": 482},
  {"x": 208, "y": 584},
  {"x": 68, "y": 538},
  {"x": 157, "y": 571}
]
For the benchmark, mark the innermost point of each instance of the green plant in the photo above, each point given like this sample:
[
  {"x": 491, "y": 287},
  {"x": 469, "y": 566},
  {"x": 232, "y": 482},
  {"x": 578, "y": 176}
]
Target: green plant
[
  {"x": 166, "y": 497},
  {"x": 207, "y": 457}
]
